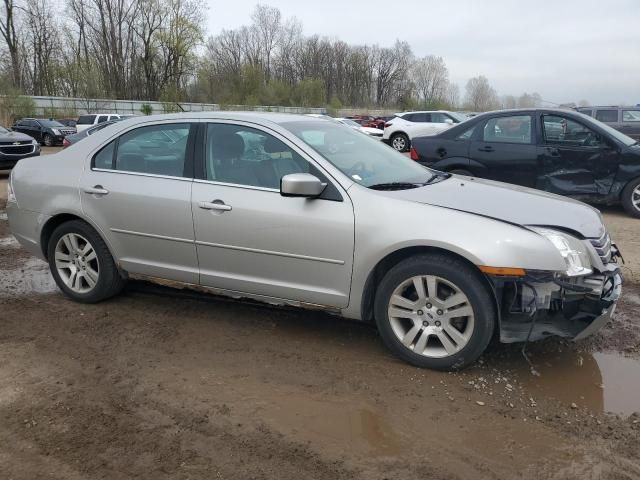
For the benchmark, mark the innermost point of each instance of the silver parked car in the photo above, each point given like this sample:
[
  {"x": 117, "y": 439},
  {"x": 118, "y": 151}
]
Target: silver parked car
[{"x": 295, "y": 210}]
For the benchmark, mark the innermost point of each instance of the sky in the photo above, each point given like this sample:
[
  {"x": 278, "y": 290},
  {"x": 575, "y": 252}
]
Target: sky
[{"x": 566, "y": 50}]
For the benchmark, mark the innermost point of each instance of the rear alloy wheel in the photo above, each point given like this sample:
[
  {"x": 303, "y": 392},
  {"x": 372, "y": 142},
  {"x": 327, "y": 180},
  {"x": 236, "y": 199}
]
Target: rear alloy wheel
[
  {"x": 400, "y": 142},
  {"x": 631, "y": 198},
  {"x": 81, "y": 263},
  {"x": 48, "y": 140},
  {"x": 434, "y": 311}
]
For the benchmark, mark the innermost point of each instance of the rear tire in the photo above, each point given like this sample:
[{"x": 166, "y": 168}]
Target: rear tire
[
  {"x": 453, "y": 340},
  {"x": 400, "y": 142},
  {"x": 631, "y": 198},
  {"x": 81, "y": 263}
]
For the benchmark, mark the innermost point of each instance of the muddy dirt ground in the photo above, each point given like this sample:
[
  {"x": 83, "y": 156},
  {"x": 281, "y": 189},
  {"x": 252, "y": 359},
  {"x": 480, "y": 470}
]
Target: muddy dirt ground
[{"x": 152, "y": 385}]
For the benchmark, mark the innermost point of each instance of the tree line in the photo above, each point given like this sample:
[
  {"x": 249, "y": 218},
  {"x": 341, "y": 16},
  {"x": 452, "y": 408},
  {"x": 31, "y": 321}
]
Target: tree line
[{"x": 158, "y": 50}]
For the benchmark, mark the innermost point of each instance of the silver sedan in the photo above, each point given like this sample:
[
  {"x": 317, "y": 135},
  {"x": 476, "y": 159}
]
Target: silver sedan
[{"x": 295, "y": 210}]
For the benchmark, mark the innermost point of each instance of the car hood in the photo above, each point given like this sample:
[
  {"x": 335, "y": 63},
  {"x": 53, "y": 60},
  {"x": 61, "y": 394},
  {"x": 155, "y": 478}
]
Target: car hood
[
  {"x": 14, "y": 137},
  {"x": 508, "y": 203}
]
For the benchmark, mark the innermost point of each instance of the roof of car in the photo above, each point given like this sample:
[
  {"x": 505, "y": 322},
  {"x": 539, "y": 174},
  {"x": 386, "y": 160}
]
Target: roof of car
[{"x": 228, "y": 115}]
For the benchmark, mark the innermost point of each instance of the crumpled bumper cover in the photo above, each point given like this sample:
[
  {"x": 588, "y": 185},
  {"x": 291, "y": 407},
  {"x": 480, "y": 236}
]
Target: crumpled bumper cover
[{"x": 569, "y": 314}]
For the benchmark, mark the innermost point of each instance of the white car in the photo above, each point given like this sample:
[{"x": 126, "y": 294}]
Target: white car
[
  {"x": 90, "y": 120},
  {"x": 373, "y": 132},
  {"x": 399, "y": 131}
]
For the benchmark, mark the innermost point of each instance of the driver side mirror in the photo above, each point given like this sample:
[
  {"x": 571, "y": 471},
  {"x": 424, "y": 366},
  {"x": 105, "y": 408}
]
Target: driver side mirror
[
  {"x": 448, "y": 121},
  {"x": 301, "y": 185}
]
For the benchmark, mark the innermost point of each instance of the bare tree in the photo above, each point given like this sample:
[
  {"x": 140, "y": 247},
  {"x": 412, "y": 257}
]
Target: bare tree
[
  {"x": 480, "y": 95},
  {"x": 268, "y": 24},
  {"x": 8, "y": 32},
  {"x": 431, "y": 79}
]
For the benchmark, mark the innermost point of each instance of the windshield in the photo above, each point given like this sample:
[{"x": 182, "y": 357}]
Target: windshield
[
  {"x": 621, "y": 137},
  {"x": 50, "y": 123},
  {"x": 461, "y": 117},
  {"x": 367, "y": 161}
]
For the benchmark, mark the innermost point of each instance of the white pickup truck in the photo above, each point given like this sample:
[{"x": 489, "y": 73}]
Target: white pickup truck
[{"x": 399, "y": 131}]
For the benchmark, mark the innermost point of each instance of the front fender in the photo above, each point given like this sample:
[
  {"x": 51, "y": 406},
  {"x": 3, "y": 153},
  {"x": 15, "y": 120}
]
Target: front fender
[{"x": 384, "y": 224}]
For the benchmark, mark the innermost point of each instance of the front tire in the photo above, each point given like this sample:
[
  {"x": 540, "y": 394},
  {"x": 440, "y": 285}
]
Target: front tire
[
  {"x": 48, "y": 140},
  {"x": 435, "y": 311},
  {"x": 81, "y": 263},
  {"x": 400, "y": 142},
  {"x": 631, "y": 198}
]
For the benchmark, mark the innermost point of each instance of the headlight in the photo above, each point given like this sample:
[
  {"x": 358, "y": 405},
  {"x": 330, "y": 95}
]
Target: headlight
[
  {"x": 572, "y": 250},
  {"x": 55, "y": 131},
  {"x": 34, "y": 142},
  {"x": 11, "y": 196}
]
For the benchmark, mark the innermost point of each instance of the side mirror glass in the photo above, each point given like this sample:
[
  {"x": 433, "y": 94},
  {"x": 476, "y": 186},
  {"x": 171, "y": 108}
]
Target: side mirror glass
[
  {"x": 301, "y": 185},
  {"x": 448, "y": 121}
]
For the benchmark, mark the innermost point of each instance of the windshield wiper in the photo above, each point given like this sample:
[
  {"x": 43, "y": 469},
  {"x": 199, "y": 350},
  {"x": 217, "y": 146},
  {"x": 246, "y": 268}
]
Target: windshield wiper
[
  {"x": 395, "y": 186},
  {"x": 437, "y": 177}
]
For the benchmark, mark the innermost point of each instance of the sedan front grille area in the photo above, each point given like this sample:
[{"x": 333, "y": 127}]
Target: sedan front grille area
[
  {"x": 17, "y": 149},
  {"x": 603, "y": 247},
  {"x": 66, "y": 132}
]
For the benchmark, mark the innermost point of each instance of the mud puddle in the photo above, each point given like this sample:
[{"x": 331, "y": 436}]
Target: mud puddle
[
  {"x": 600, "y": 382},
  {"x": 32, "y": 277}
]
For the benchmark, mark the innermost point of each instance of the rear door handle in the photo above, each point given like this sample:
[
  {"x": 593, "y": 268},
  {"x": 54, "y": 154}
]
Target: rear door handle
[
  {"x": 486, "y": 149},
  {"x": 96, "y": 190},
  {"x": 215, "y": 205}
]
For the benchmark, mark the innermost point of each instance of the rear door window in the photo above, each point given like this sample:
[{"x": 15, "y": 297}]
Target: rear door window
[
  {"x": 607, "y": 116},
  {"x": 157, "y": 149},
  {"x": 508, "y": 129}
]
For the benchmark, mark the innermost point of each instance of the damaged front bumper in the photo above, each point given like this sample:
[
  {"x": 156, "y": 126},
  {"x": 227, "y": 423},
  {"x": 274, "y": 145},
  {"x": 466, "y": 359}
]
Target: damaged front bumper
[{"x": 533, "y": 308}]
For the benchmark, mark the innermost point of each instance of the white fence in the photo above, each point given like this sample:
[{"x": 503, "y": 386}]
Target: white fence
[{"x": 58, "y": 107}]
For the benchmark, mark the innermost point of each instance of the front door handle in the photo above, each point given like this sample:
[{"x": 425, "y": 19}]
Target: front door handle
[
  {"x": 215, "y": 205},
  {"x": 486, "y": 149},
  {"x": 96, "y": 190}
]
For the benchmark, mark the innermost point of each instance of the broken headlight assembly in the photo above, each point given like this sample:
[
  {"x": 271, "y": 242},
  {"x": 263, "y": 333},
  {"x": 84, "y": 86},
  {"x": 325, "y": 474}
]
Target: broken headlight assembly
[{"x": 570, "y": 248}]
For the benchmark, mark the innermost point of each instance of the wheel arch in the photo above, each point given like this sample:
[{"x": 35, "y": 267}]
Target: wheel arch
[
  {"x": 63, "y": 217},
  {"x": 391, "y": 259}
]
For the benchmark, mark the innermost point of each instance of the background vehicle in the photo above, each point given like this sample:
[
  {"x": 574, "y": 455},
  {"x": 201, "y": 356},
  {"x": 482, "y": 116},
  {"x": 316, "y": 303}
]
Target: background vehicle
[
  {"x": 86, "y": 121},
  {"x": 244, "y": 203},
  {"x": 47, "y": 132},
  {"x": 559, "y": 151},
  {"x": 15, "y": 146},
  {"x": 625, "y": 119},
  {"x": 76, "y": 137},
  {"x": 404, "y": 126},
  {"x": 67, "y": 122},
  {"x": 374, "y": 132}
]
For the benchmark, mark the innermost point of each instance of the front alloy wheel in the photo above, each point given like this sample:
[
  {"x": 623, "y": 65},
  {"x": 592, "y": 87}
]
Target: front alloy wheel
[
  {"x": 435, "y": 310},
  {"x": 631, "y": 198},
  {"x": 431, "y": 316},
  {"x": 48, "y": 140}
]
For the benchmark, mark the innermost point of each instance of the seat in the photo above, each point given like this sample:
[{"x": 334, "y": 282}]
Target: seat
[{"x": 225, "y": 160}]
